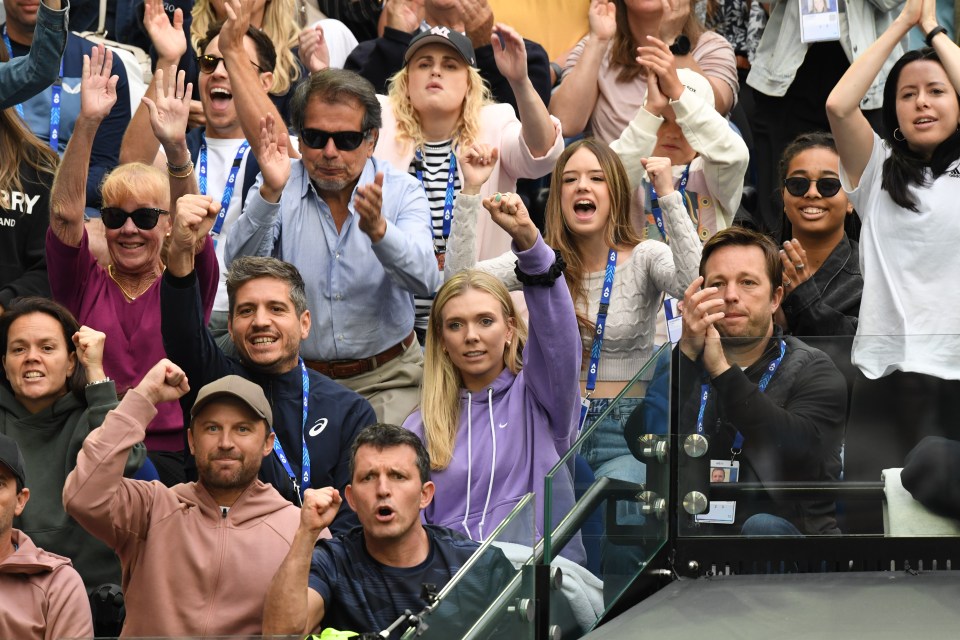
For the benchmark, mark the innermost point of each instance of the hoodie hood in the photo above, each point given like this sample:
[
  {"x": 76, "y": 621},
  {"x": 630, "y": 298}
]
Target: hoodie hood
[{"x": 29, "y": 559}]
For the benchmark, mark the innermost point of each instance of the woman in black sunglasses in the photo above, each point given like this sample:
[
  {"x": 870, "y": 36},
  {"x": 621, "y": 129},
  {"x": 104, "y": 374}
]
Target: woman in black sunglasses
[
  {"x": 821, "y": 267},
  {"x": 122, "y": 299}
]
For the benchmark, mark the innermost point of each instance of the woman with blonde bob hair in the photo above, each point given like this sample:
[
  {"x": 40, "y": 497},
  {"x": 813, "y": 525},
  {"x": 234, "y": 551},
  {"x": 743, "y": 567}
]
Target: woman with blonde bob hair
[
  {"x": 438, "y": 104},
  {"x": 499, "y": 405},
  {"x": 122, "y": 299}
]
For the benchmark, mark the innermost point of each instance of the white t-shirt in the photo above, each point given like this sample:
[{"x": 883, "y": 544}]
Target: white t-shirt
[
  {"x": 909, "y": 315},
  {"x": 221, "y": 153}
]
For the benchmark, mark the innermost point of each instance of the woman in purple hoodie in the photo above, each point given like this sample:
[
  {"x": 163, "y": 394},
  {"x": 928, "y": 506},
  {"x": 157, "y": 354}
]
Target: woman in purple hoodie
[{"x": 499, "y": 404}]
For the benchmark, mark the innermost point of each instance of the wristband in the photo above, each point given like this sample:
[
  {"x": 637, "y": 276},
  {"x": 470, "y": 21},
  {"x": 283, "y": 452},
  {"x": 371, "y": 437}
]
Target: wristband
[
  {"x": 557, "y": 72},
  {"x": 180, "y": 171},
  {"x": 90, "y": 384},
  {"x": 937, "y": 30},
  {"x": 542, "y": 279}
]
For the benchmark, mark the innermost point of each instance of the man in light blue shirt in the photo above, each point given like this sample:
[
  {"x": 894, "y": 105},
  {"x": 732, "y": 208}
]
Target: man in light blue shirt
[{"x": 359, "y": 232}]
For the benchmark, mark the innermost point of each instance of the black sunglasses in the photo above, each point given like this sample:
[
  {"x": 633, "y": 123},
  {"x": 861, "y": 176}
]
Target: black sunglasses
[
  {"x": 345, "y": 140},
  {"x": 145, "y": 218},
  {"x": 798, "y": 186},
  {"x": 208, "y": 63}
]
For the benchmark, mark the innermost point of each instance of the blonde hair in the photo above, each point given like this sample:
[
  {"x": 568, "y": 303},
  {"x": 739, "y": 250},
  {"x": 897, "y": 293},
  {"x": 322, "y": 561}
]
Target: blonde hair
[
  {"x": 138, "y": 180},
  {"x": 440, "y": 392},
  {"x": 409, "y": 126},
  {"x": 280, "y": 26},
  {"x": 19, "y": 147},
  {"x": 619, "y": 230}
]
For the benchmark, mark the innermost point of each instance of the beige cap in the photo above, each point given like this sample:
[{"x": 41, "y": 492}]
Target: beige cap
[{"x": 237, "y": 387}]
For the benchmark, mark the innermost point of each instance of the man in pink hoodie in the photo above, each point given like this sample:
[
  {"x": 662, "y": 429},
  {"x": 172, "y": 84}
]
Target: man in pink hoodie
[
  {"x": 42, "y": 594},
  {"x": 197, "y": 557}
]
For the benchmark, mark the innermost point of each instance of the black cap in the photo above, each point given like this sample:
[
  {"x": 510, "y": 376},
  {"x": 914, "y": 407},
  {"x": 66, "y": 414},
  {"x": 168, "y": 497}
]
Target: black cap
[
  {"x": 443, "y": 35},
  {"x": 10, "y": 455}
]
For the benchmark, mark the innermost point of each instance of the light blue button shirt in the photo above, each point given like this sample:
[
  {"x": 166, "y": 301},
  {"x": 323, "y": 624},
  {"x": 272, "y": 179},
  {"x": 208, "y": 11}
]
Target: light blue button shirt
[{"x": 360, "y": 294}]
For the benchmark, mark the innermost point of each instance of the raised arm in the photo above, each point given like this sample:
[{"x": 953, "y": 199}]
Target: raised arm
[
  {"x": 537, "y": 129},
  {"x": 476, "y": 163},
  {"x": 291, "y": 607},
  {"x": 96, "y": 494},
  {"x": 24, "y": 77},
  {"x": 574, "y": 100},
  {"x": 169, "y": 113},
  {"x": 640, "y": 137},
  {"x": 850, "y": 127},
  {"x": 946, "y": 49},
  {"x": 169, "y": 41},
  {"x": 98, "y": 94},
  {"x": 248, "y": 86}
]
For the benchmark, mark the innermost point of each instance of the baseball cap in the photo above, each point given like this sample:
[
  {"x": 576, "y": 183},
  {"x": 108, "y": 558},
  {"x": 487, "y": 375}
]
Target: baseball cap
[
  {"x": 443, "y": 35},
  {"x": 10, "y": 455},
  {"x": 698, "y": 85},
  {"x": 237, "y": 387}
]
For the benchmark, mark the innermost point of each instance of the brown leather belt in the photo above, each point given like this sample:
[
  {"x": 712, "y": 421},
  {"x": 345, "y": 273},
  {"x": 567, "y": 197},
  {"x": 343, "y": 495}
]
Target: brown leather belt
[{"x": 339, "y": 369}]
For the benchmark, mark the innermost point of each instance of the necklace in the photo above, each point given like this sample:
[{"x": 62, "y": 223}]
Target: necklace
[{"x": 139, "y": 292}]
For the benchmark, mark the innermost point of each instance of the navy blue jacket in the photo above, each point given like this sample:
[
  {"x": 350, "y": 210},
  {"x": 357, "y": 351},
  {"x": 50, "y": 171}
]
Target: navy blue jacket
[{"x": 335, "y": 414}]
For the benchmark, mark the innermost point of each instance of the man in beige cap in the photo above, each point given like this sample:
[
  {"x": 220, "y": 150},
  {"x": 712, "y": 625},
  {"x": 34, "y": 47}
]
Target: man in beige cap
[{"x": 197, "y": 557}]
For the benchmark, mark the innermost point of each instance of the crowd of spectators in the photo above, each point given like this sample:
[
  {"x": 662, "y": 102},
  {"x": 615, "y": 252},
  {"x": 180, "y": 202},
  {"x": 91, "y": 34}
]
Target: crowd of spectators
[{"x": 290, "y": 325}]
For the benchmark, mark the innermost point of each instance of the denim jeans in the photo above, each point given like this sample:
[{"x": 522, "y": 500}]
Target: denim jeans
[{"x": 765, "y": 524}]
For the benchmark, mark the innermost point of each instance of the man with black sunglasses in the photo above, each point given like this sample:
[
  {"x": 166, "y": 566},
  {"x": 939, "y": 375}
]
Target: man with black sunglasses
[
  {"x": 357, "y": 229},
  {"x": 767, "y": 405}
]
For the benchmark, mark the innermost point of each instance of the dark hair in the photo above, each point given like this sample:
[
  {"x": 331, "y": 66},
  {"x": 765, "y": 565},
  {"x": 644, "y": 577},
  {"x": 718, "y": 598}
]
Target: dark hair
[
  {"x": 266, "y": 53},
  {"x": 77, "y": 382},
  {"x": 333, "y": 86},
  {"x": 905, "y": 168},
  {"x": 742, "y": 237},
  {"x": 803, "y": 142},
  {"x": 385, "y": 436},
  {"x": 247, "y": 268}
]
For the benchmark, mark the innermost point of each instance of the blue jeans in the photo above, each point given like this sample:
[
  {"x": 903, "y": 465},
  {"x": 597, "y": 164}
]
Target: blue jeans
[{"x": 764, "y": 524}]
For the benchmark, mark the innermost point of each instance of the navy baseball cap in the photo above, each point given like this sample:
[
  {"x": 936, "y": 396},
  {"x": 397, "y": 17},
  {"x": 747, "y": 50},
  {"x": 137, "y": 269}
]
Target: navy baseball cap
[
  {"x": 10, "y": 455},
  {"x": 443, "y": 35}
]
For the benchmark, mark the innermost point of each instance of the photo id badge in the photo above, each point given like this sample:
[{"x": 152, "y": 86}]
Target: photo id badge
[
  {"x": 674, "y": 321},
  {"x": 819, "y": 20},
  {"x": 722, "y": 511}
]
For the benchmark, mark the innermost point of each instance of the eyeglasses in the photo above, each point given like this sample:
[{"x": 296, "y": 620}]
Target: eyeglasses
[
  {"x": 145, "y": 218},
  {"x": 798, "y": 186},
  {"x": 209, "y": 64},
  {"x": 345, "y": 140}
]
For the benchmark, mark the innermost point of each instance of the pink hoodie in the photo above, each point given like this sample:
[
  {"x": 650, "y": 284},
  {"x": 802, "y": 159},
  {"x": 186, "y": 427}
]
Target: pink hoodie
[
  {"x": 189, "y": 569},
  {"x": 42, "y": 594}
]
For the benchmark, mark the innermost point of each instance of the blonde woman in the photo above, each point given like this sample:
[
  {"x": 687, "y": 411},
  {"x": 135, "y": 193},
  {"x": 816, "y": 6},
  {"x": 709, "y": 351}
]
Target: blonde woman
[
  {"x": 499, "y": 405},
  {"x": 438, "y": 103}
]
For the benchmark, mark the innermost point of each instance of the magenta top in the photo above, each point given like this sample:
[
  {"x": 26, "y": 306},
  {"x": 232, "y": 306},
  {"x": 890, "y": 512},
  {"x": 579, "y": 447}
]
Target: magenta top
[{"x": 134, "y": 343}]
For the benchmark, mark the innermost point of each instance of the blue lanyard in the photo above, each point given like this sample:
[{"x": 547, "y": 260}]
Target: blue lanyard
[
  {"x": 305, "y": 467},
  {"x": 764, "y": 381},
  {"x": 655, "y": 203},
  {"x": 55, "y": 89},
  {"x": 598, "y": 332},
  {"x": 448, "y": 198},
  {"x": 228, "y": 189}
]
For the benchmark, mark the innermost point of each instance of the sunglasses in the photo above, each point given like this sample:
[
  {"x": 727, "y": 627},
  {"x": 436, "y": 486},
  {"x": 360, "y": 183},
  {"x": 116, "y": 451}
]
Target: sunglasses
[
  {"x": 344, "y": 140},
  {"x": 798, "y": 186},
  {"x": 209, "y": 64},
  {"x": 145, "y": 218}
]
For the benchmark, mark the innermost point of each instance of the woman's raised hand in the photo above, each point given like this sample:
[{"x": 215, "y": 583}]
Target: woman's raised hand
[
  {"x": 476, "y": 163},
  {"x": 603, "y": 19},
  {"x": 170, "y": 112},
  {"x": 510, "y": 214},
  {"x": 89, "y": 343},
  {"x": 98, "y": 89}
]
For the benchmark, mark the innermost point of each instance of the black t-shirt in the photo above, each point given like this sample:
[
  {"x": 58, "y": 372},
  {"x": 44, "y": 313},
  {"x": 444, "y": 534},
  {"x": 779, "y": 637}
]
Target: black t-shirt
[
  {"x": 24, "y": 218},
  {"x": 362, "y": 595}
]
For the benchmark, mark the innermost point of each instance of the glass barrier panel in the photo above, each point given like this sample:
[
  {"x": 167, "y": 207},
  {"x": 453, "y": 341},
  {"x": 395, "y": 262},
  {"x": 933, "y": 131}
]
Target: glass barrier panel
[
  {"x": 789, "y": 437},
  {"x": 618, "y": 473},
  {"x": 492, "y": 596}
]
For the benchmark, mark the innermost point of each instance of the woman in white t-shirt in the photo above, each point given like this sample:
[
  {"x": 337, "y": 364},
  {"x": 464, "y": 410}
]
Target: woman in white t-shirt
[{"x": 905, "y": 187}]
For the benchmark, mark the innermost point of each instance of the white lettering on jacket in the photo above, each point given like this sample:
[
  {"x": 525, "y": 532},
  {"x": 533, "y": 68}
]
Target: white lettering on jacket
[{"x": 18, "y": 201}]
